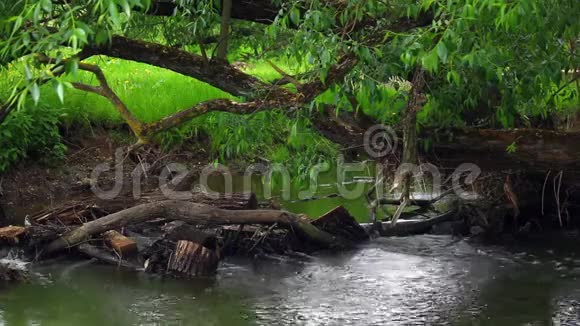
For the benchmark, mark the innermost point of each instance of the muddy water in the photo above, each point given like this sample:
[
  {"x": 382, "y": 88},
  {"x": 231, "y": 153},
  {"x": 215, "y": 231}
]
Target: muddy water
[{"x": 421, "y": 280}]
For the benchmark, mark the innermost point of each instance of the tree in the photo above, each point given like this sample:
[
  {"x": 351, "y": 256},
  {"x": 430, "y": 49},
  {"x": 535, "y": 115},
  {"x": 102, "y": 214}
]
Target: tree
[{"x": 467, "y": 51}]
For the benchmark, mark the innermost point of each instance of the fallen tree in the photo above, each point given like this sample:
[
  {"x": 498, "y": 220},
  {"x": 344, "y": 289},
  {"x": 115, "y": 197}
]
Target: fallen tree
[
  {"x": 536, "y": 150},
  {"x": 192, "y": 213}
]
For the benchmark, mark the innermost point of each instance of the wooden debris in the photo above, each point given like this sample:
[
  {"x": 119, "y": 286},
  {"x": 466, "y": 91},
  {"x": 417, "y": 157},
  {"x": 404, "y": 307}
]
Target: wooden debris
[
  {"x": 121, "y": 244},
  {"x": 75, "y": 214},
  {"x": 12, "y": 234},
  {"x": 232, "y": 201},
  {"x": 340, "y": 223},
  {"x": 197, "y": 214},
  {"x": 228, "y": 201},
  {"x": 179, "y": 230},
  {"x": 193, "y": 259},
  {"x": 105, "y": 256}
]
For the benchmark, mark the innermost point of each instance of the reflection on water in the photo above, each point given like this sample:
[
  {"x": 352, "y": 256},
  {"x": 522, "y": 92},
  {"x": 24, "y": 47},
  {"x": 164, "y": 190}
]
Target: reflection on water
[
  {"x": 421, "y": 280},
  {"x": 325, "y": 184}
]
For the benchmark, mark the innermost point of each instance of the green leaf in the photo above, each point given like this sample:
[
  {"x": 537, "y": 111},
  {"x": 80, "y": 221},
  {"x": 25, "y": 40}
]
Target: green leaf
[
  {"x": 114, "y": 13},
  {"x": 17, "y": 24},
  {"x": 27, "y": 72},
  {"x": 453, "y": 77},
  {"x": 47, "y": 5},
  {"x": 71, "y": 67},
  {"x": 430, "y": 61},
  {"x": 126, "y": 7},
  {"x": 81, "y": 35},
  {"x": 295, "y": 15},
  {"x": 59, "y": 89},
  {"x": 35, "y": 92},
  {"x": 102, "y": 37},
  {"x": 442, "y": 51}
]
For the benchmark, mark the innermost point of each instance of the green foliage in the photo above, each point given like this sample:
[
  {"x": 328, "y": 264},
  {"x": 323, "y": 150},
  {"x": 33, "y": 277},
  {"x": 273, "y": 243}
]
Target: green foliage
[
  {"x": 512, "y": 148},
  {"x": 499, "y": 61},
  {"x": 32, "y": 132},
  {"x": 153, "y": 93}
]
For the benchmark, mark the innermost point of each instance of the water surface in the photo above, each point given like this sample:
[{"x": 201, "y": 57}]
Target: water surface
[{"x": 420, "y": 280}]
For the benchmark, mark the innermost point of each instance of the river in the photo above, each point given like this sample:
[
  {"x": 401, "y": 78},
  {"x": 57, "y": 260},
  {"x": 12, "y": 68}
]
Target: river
[{"x": 418, "y": 280}]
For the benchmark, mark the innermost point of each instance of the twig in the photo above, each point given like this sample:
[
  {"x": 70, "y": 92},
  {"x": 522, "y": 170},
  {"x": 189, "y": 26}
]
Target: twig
[
  {"x": 557, "y": 195},
  {"x": 544, "y": 190}
]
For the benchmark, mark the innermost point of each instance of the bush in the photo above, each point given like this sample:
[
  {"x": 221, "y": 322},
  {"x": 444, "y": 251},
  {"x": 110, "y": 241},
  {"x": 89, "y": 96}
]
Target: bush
[{"x": 31, "y": 132}]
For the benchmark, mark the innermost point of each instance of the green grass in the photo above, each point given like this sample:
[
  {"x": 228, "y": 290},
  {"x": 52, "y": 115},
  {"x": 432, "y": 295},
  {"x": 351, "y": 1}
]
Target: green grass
[{"x": 152, "y": 93}]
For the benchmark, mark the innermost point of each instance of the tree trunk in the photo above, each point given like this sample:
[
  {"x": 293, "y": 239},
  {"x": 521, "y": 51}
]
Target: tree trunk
[
  {"x": 222, "y": 50},
  {"x": 536, "y": 150},
  {"x": 415, "y": 104}
]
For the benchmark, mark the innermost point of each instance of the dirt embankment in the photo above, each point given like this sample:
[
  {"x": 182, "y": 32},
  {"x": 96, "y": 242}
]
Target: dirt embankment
[{"x": 30, "y": 187}]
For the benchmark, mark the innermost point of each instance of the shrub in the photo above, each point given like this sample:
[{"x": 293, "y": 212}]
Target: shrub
[{"x": 32, "y": 132}]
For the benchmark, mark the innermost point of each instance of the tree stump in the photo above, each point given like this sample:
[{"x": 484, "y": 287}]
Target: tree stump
[
  {"x": 340, "y": 223},
  {"x": 192, "y": 259}
]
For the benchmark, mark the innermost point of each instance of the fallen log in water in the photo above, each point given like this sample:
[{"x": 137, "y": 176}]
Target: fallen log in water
[
  {"x": 409, "y": 227},
  {"x": 105, "y": 256},
  {"x": 192, "y": 213}
]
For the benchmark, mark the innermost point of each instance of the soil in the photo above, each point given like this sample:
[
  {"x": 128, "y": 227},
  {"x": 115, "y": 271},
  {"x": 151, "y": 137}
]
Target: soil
[{"x": 30, "y": 187}]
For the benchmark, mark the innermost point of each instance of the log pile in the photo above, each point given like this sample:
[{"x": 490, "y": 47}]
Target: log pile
[
  {"x": 188, "y": 238},
  {"x": 180, "y": 238}
]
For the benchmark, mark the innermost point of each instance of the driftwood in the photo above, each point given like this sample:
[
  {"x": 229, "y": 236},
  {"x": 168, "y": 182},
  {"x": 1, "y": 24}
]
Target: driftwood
[
  {"x": 72, "y": 214},
  {"x": 122, "y": 245},
  {"x": 339, "y": 221},
  {"x": 421, "y": 202},
  {"x": 192, "y": 213},
  {"x": 179, "y": 230},
  {"x": 409, "y": 227},
  {"x": 106, "y": 257}
]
